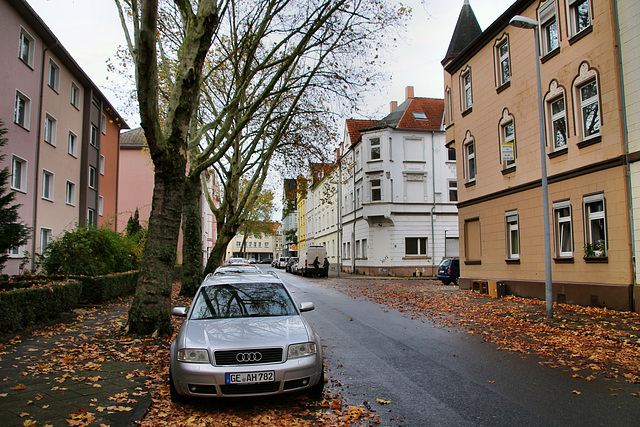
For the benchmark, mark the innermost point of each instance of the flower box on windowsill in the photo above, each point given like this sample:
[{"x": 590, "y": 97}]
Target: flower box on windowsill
[{"x": 596, "y": 259}]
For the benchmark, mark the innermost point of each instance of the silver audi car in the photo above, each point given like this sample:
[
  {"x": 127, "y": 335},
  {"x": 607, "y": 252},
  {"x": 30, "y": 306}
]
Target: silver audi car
[{"x": 244, "y": 336}]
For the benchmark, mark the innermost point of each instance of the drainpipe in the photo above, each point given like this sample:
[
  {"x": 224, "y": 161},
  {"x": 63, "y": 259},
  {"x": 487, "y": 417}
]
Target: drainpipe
[
  {"x": 433, "y": 181},
  {"x": 626, "y": 143},
  {"x": 36, "y": 173}
]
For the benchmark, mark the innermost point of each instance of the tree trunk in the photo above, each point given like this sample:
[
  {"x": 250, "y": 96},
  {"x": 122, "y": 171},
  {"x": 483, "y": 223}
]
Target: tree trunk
[
  {"x": 225, "y": 234},
  {"x": 150, "y": 310},
  {"x": 191, "y": 237}
]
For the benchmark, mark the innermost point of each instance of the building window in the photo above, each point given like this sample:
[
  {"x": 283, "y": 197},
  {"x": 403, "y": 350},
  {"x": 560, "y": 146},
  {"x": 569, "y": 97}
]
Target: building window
[
  {"x": 72, "y": 144},
  {"x": 103, "y": 124},
  {"x": 448, "y": 105},
  {"x": 595, "y": 224},
  {"x": 70, "y": 193},
  {"x": 237, "y": 243},
  {"x": 472, "y": 239},
  {"x": 91, "y": 217},
  {"x": 22, "y": 112},
  {"x": 94, "y": 136},
  {"x": 101, "y": 206},
  {"x": 465, "y": 89},
  {"x": 563, "y": 229},
  {"x": 579, "y": 16},
  {"x": 92, "y": 177},
  {"x": 513, "y": 235},
  {"x": 558, "y": 123},
  {"x": 374, "y": 143},
  {"x": 470, "y": 160},
  {"x": 266, "y": 244},
  {"x": 26, "y": 48},
  {"x": 357, "y": 249},
  {"x": 590, "y": 109},
  {"x": 376, "y": 190},
  {"x": 50, "y": 129},
  {"x": 54, "y": 75},
  {"x": 548, "y": 27},
  {"x": 101, "y": 164},
  {"x": 47, "y": 185},
  {"x": 19, "y": 174},
  {"x": 451, "y": 154},
  {"x": 503, "y": 67},
  {"x": 75, "y": 95},
  {"x": 415, "y": 245},
  {"x": 453, "y": 191},
  {"x": 508, "y": 142},
  {"x": 46, "y": 235}
]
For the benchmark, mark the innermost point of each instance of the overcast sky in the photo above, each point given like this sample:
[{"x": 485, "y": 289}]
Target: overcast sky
[{"x": 90, "y": 30}]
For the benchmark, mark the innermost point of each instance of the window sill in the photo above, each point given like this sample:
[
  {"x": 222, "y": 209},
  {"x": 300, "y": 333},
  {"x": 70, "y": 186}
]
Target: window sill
[
  {"x": 416, "y": 257},
  {"x": 467, "y": 111},
  {"x": 581, "y": 34},
  {"x": 559, "y": 152},
  {"x": 587, "y": 142},
  {"x": 563, "y": 260},
  {"x": 374, "y": 161},
  {"x": 449, "y": 126},
  {"x": 472, "y": 262},
  {"x": 507, "y": 171},
  {"x": 513, "y": 261},
  {"x": 549, "y": 55},
  {"x": 503, "y": 86},
  {"x": 596, "y": 260},
  {"x": 470, "y": 183}
]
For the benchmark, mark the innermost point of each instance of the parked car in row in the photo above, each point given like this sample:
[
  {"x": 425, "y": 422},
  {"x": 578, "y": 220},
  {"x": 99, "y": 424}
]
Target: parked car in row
[
  {"x": 282, "y": 262},
  {"x": 222, "y": 349},
  {"x": 449, "y": 270},
  {"x": 292, "y": 260}
]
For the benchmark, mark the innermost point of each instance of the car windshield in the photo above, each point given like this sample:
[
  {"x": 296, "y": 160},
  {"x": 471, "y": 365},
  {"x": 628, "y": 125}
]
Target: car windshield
[{"x": 243, "y": 300}]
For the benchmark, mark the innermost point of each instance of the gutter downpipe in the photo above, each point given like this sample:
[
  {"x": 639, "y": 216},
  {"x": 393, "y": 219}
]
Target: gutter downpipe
[
  {"x": 433, "y": 208},
  {"x": 37, "y": 158},
  {"x": 626, "y": 142}
]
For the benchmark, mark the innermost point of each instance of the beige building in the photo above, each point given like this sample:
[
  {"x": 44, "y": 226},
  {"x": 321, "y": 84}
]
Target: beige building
[{"x": 492, "y": 121}]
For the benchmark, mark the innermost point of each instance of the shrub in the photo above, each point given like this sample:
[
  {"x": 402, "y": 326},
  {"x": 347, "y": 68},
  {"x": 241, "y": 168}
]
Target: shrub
[{"x": 90, "y": 251}]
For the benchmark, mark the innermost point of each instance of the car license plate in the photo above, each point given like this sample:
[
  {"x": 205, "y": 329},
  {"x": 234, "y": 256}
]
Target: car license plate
[{"x": 250, "y": 377}]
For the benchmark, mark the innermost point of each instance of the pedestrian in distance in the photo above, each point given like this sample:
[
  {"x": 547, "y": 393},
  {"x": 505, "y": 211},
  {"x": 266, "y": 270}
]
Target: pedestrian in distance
[
  {"x": 316, "y": 267},
  {"x": 325, "y": 267}
]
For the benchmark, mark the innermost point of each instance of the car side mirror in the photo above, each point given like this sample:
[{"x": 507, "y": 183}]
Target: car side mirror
[
  {"x": 306, "y": 306},
  {"x": 179, "y": 311}
]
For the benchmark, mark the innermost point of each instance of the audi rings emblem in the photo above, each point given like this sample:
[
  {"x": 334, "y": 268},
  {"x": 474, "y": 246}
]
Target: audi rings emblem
[{"x": 253, "y": 356}]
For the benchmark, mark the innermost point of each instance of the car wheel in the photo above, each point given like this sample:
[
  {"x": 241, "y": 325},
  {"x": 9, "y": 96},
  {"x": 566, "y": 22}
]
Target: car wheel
[
  {"x": 175, "y": 396},
  {"x": 315, "y": 392},
  {"x": 446, "y": 282}
]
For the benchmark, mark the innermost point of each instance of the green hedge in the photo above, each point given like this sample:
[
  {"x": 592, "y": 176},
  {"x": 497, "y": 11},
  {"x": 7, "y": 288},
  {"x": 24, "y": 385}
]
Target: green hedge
[
  {"x": 21, "y": 307},
  {"x": 42, "y": 298}
]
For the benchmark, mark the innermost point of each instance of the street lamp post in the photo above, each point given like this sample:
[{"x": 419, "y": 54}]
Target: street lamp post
[{"x": 528, "y": 23}]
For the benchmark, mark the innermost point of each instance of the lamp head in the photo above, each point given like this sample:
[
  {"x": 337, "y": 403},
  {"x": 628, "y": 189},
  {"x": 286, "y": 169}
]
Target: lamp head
[{"x": 523, "y": 22}]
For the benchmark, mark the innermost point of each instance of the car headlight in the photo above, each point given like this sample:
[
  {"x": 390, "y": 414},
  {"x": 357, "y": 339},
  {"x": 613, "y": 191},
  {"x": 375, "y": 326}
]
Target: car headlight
[
  {"x": 302, "y": 350},
  {"x": 193, "y": 355}
]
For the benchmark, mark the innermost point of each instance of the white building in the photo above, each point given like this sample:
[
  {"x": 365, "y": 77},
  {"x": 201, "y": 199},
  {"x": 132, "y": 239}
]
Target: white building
[{"x": 399, "y": 192}]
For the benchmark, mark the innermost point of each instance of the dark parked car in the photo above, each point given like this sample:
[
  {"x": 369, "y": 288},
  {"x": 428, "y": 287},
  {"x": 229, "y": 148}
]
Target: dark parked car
[
  {"x": 266, "y": 261},
  {"x": 449, "y": 270}
]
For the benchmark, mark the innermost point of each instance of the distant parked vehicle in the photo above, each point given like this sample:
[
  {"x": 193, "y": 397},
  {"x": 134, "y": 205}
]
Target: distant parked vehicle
[
  {"x": 449, "y": 270},
  {"x": 307, "y": 257},
  {"x": 292, "y": 260},
  {"x": 237, "y": 261},
  {"x": 266, "y": 261},
  {"x": 282, "y": 262}
]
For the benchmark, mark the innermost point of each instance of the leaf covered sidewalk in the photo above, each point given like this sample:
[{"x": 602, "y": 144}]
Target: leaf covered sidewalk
[{"x": 586, "y": 341}]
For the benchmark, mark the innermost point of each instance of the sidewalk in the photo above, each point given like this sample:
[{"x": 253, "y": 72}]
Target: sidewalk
[{"x": 73, "y": 373}]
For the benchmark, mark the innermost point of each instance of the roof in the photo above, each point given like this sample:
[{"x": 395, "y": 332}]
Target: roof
[
  {"x": 133, "y": 139},
  {"x": 415, "y": 114},
  {"x": 354, "y": 126},
  {"x": 466, "y": 31},
  {"x": 318, "y": 171}
]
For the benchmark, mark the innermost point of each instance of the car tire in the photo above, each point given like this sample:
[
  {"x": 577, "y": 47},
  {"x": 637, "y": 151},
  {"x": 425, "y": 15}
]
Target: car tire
[
  {"x": 173, "y": 393},
  {"x": 315, "y": 392},
  {"x": 446, "y": 282}
]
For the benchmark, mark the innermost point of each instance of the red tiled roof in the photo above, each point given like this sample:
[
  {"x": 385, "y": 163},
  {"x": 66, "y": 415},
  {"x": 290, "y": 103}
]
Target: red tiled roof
[
  {"x": 432, "y": 108},
  {"x": 354, "y": 126}
]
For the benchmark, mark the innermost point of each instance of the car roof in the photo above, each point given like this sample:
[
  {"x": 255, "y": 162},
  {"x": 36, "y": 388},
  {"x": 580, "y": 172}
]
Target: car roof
[{"x": 228, "y": 279}]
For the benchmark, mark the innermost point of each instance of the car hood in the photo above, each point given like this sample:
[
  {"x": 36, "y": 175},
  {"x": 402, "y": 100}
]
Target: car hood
[{"x": 238, "y": 333}]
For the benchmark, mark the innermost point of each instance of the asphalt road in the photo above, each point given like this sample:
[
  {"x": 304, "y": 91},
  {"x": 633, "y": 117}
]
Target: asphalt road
[{"x": 438, "y": 376}]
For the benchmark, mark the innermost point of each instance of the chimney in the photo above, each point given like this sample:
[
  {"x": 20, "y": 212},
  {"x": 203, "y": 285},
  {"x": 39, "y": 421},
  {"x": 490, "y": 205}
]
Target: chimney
[
  {"x": 408, "y": 92},
  {"x": 393, "y": 105}
]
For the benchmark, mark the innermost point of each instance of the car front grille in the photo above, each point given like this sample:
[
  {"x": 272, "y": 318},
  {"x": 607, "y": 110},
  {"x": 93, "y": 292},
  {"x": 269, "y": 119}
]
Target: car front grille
[
  {"x": 248, "y": 356},
  {"x": 231, "y": 389}
]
